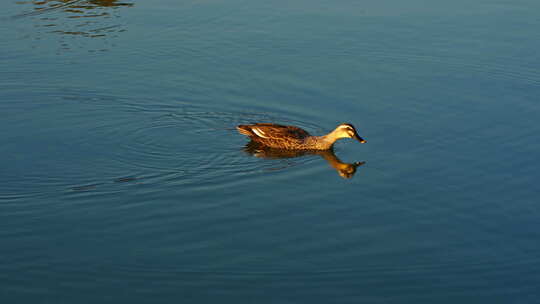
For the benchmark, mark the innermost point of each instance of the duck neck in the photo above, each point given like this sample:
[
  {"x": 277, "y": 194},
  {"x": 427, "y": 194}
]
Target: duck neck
[
  {"x": 324, "y": 142},
  {"x": 332, "y": 159}
]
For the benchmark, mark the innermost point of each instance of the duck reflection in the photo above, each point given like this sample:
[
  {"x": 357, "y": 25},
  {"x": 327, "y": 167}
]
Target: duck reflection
[
  {"x": 80, "y": 18},
  {"x": 344, "y": 170}
]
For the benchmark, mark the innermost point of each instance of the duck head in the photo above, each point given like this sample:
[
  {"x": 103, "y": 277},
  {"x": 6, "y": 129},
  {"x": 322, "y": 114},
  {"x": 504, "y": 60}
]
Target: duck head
[{"x": 346, "y": 130}]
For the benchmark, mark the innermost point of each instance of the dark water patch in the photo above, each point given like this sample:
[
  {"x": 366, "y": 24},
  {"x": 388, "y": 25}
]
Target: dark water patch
[
  {"x": 126, "y": 179},
  {"x": 85, "y": 187}
]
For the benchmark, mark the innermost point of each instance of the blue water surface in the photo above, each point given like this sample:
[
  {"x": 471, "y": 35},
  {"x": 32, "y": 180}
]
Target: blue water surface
[{"x": 123, "y": 179}]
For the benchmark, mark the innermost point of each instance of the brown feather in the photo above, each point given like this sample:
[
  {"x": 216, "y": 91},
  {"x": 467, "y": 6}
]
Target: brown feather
[{"x": 274, "y": 135}]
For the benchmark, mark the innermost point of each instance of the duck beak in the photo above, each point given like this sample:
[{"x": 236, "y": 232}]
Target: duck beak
[{"x": 360, "y": 139}]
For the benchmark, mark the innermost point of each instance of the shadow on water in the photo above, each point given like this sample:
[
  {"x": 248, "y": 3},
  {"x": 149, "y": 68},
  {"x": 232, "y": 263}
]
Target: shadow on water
[
  {"x": 76, "y": 19},
  {"x": 345, "y": 170}
]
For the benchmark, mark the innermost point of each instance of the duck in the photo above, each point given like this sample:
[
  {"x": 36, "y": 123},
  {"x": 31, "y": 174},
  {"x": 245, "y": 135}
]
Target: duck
[{"x": 294, "y": 138}]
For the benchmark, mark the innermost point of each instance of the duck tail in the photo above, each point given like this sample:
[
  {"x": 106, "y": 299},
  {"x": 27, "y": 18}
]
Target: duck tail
[{"x": 244, "y": 129}]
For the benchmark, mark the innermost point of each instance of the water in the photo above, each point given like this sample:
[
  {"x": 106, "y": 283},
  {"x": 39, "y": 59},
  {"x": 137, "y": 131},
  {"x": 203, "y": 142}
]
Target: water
[{"x": 123, "y": 179}]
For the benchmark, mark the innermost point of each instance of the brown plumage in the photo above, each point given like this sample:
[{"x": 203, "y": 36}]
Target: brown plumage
[{"x": 294, "y": 138}]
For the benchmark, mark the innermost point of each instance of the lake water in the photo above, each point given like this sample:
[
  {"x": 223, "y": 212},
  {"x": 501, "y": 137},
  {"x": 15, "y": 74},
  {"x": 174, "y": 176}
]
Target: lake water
[{"x": 123, "y": 179}]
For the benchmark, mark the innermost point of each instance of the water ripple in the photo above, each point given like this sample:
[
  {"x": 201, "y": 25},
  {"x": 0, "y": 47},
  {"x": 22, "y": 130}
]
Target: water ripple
[
  {"x": 145, "y": 145},
  {"x": 192, "y": 145},
  {"x": 492, "y": 69},
  {"x": 73, "y": 19}
]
